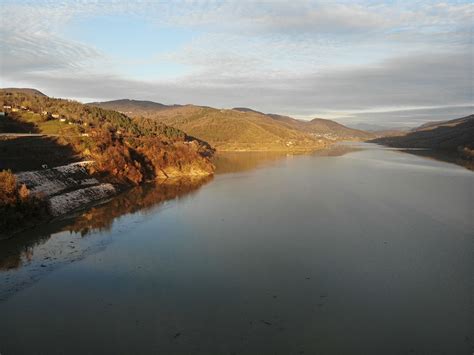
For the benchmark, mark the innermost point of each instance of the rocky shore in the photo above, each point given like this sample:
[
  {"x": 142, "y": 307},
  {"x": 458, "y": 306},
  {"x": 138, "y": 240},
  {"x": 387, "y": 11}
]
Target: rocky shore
[{"x": 67, "y": 187}]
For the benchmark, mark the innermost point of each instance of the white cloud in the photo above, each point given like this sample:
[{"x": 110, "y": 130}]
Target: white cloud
[{"x": 301, "y": 58}]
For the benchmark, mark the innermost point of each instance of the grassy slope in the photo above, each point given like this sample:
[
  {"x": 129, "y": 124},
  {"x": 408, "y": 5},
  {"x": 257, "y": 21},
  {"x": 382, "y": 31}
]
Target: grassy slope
[
  {"x": 141, "y": 146},
  {"x": 234, "y": 130},
  {"x": 30, "y": 153},
  {"x": 45, "y": 127},
  {"x": 134, "y": 107},
  {"x": 28, "y": 91},
  {"x": 239, "y": 129},
  {"x": 323, "y": 126}
]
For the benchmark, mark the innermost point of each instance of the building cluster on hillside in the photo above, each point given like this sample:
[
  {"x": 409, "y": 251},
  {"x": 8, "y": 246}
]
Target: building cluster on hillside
[
  {"x": 330, "y": 136},
  {"x": 49, "y": 116}
]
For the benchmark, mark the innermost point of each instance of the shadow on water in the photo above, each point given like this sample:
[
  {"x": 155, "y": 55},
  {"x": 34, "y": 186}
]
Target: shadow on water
[
  {"x": 67, "y": 232},
  {"x": 444, "y": 156},
  {"x": 64, "y": 241}
]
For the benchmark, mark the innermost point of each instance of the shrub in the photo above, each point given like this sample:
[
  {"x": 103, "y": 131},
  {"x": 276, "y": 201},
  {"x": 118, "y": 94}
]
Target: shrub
[{"x": 18, "y": 207}]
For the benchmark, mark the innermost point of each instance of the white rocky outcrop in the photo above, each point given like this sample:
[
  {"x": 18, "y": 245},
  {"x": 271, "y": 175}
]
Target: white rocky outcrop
[
  {"x": 66, "y": 187},
  {"x": 69, "y": 201},
  {"x": 49, "y": 182}
]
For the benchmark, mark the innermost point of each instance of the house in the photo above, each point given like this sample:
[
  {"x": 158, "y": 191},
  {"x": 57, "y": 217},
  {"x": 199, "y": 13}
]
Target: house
[
  {"x": 7, "y": 107},
  {"x": 14, "y": 109},
  {"x": 44, "y": 113},
  {"x": 61, "y": 119},
  {"x": 55, "y": 115},
  {"x": 85, "y": 134}
]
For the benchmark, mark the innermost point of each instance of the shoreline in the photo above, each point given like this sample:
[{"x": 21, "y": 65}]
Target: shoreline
[{"x": 71, "y": 188}]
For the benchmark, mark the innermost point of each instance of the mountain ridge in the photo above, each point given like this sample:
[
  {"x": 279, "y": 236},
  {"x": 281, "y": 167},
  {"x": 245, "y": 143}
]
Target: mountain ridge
[
  {"x": 453, "y": 137},
  {"x": 226, "y": 129},
  {"x": 248, "y": 128}
]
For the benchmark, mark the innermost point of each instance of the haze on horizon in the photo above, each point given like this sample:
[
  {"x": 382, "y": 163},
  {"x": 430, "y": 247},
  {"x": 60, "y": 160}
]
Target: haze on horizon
[{"x": 387, "y": 64}]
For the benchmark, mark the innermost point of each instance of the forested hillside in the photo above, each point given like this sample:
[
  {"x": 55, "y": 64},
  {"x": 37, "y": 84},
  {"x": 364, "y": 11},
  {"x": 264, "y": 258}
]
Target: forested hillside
[{"x": 127, "y": 150}]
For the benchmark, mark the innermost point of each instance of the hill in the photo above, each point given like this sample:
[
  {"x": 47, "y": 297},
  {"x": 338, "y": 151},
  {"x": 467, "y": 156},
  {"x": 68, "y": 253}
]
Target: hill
[
  {"x": 132, "y": 107},
  {"x": 230, "y": 130},
  {"x": 237, "y": 130},
  {"x": 28, "y": 91},
  {"x": 448, "y": 123},
  {"x": 334, "y": 130},
  {"x": 445, "y": 135},
  {"x": 453, "y": 136},
  {"x": 243, "y": 128},
  {"x": 319, "y": 127},
  {"x": 124, "y": 150},
  {"x": 246, "y": 109}
]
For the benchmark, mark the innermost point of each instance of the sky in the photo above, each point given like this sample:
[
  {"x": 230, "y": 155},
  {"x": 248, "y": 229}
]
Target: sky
[{"x": 362, "y": 63}]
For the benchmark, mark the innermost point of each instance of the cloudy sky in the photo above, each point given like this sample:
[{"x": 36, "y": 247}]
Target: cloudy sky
[{"x": 391, "y": 63}]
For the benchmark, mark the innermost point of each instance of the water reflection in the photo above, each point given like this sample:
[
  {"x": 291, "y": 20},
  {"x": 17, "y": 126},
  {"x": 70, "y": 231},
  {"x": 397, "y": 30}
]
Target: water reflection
[
  {"x": 46, "y": 247},
  {"x": 21, "y": 250},
  {"x": 449, "y": 157},
  {"x": 234, "y": 162},
  {"x": 282, "y": 260},
  {"x": 143, "y": 198}
]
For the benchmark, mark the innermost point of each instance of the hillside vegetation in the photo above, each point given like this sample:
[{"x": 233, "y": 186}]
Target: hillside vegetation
[
  {"x": 133, "y": 107},
  {"x": 125, "y": 150},
  {"x": 18, "y": 208},
  {"x": 235, "y": 130},
  {"x": 320, "y": 127},
  {"x": 228, "y": 130},
  {"x": 241, "y": 128},
  {"x": 453, "y": 136}
]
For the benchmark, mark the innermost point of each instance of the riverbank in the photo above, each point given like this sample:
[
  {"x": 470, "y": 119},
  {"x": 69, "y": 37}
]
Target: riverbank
[{"x": 69, "y": 188}]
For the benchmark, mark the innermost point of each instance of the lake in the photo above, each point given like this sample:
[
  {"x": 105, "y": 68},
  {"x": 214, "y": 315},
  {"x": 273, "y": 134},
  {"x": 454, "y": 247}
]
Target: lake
[{"x": 357, "y": 250}]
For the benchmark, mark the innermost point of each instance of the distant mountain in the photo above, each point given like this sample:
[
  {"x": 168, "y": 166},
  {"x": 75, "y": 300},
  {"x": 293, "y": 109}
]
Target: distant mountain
[
  {"x": 23, "y": 91},
  {"x": 241, "y": 127},
  {"x": 237, "y": 129},
  {"x": 448, "y": 123},
  {"x": 320, "y": 127},
  {"x": 133, "y": 107},
  {"x": 246, "y": 109},
  {"x": 371, "y": 127},
  {"x": 454, "y": 135}
]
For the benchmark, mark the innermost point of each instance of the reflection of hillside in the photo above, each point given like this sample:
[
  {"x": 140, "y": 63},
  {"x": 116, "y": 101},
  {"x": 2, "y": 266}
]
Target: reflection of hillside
[
  {"x": 449, "y": 157},
  {"x": 14, "y": 252},
  {"x": 141, "y": 198},
  {"x": 338, "y": 150},
  {"x": 233, "y": 162},
  {"x": 20, "y": 250}
]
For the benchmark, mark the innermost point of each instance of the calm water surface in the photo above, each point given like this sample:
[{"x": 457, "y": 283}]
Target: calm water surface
[{"x": 360, "y": 250}]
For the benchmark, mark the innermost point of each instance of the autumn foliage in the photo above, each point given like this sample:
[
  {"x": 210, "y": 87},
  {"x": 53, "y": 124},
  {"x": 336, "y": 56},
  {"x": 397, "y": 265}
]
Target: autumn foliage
[
  {"x": 125, "y": 150},
  {"x": 18, "y": 207}
]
